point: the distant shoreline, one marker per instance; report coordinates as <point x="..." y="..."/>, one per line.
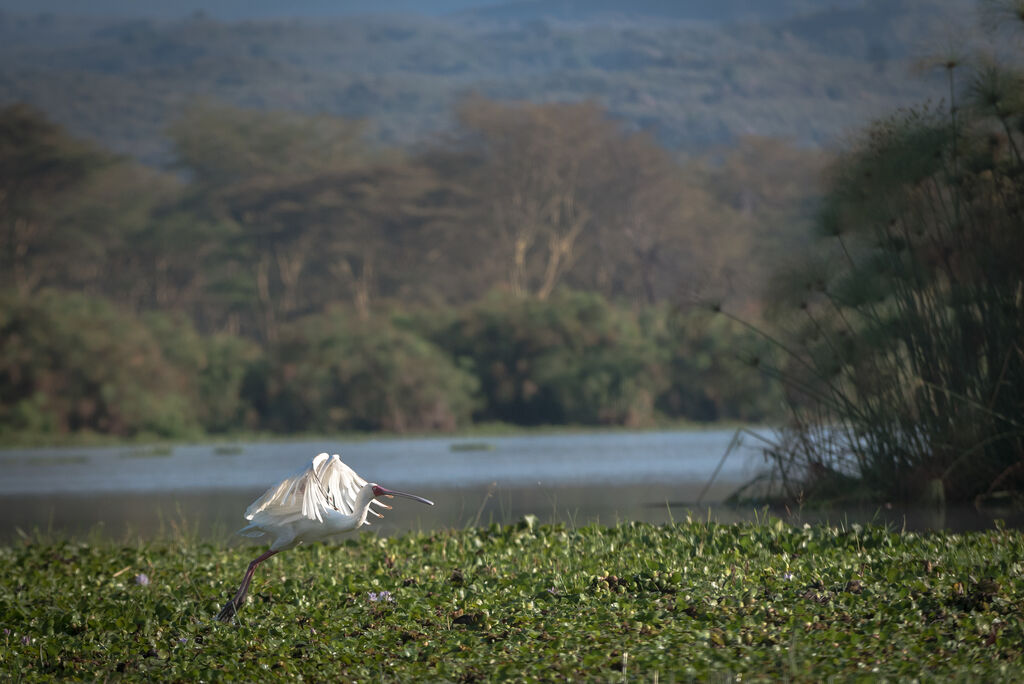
<point x="473" y="431"/>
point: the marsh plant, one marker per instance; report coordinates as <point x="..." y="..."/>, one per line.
<point x="905" y="322"/>
<point x="532" y="602"/>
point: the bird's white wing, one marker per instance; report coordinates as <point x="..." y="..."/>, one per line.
<point x="341" y="484"/>
<point x="326" y="484"/>
<point x="298" y="496"/>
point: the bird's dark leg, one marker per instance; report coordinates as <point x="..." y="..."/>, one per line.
<point x="231" y="607"/>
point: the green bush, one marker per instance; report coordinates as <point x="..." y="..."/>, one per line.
<point x="714" y="370"/>
<point x="71" y="363"/>
<point x="333" y="372"/>
<point x="573" y="358"/>
<point x="215" y="369"/>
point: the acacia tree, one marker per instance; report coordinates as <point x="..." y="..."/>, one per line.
<point x="364" y="223"/>
<point x="560" y="193"/>
<point x="539" y="172"/>
<point x="74" y="216"/>
<point x="653" y="223"/>
<point x="763" y="194"/>
<point x="248" y="169"/>
<point x="41" y="168"/>
<point x="124" y="247"/>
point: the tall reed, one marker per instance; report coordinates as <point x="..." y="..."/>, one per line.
<point x="905" y="324"/>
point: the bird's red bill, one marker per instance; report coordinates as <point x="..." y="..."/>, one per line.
<point x="381" y="491"/>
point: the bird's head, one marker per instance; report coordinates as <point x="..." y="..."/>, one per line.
<point x="390" y="493"/>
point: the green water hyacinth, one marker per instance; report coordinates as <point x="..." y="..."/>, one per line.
<point x="759" y="601"/>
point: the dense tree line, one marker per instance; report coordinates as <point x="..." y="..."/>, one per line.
<point x="288" y="275"/>
<point x="74" y="363"/>
<point x="269" y="216"/>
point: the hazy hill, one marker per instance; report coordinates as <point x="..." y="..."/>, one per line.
<point x="802" y="70"/>
<point x="573" y="10"/>
<point x="234" y="10"/>
<point x="679" y="10"/>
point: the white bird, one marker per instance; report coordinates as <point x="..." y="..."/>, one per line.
<point x="318" y="502"/>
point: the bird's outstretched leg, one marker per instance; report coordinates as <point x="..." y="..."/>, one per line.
<point x="231" y="607"/>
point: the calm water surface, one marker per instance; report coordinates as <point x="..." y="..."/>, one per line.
<point x="203" y="489"/>
<point x="553" y="460"/>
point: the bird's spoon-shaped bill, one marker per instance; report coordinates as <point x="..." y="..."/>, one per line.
<point x="381" y="491"/>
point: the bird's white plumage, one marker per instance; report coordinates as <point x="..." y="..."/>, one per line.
<point x="326" y="484"/>
<point x="322" y="500"/>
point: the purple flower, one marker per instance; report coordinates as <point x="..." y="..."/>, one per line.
<point x="142" y="578"/>
<point x="382" y="596"/>
<point x="183" y="640"/>
<point x="26" y="640"/>
<point x="7" y="632"/>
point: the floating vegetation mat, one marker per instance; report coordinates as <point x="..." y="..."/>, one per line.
<point x="63" y="459"/>
<point x="759" y="601"/>
<point x="148" y="452"/>
<point x="472" y="446"/>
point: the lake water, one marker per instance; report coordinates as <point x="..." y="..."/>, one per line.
<point x="130" y="492"/>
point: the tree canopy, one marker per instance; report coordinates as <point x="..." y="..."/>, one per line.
<point x="283" y="243"/>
